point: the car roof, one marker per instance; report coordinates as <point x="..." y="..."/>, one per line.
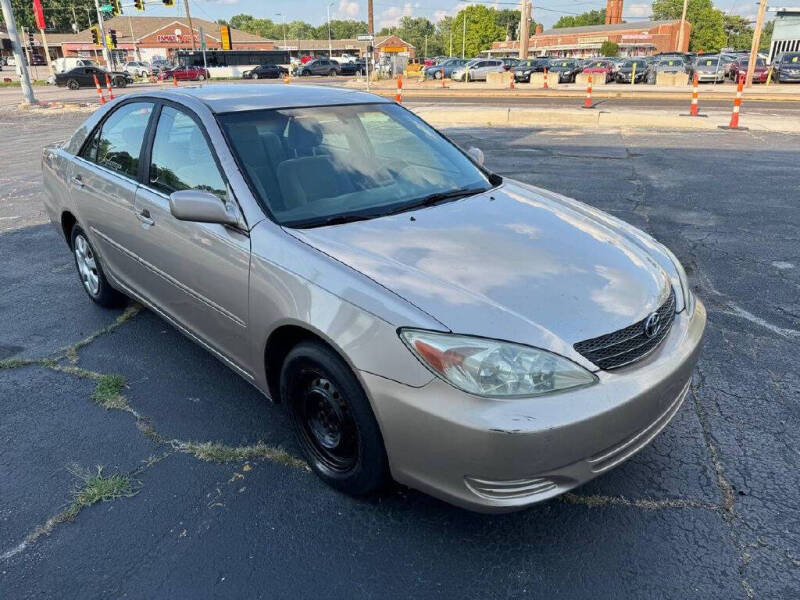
<point x="235" y="98"/>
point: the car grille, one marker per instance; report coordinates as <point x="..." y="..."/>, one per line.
<point x="622" y="347"/>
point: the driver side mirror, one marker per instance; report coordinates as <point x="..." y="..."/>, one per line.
<point x="202" y="207"/>
<point x="476" y="154"/>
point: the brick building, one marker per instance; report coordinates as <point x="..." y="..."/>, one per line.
<point x="638" y="38"/>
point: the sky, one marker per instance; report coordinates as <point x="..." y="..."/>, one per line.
<point x="388" y="12"/>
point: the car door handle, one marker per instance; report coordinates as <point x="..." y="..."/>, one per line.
<point x="144" y="216"/>
<point x="77" y="181"/>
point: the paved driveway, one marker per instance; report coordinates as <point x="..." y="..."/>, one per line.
<point x="709" y="510"/>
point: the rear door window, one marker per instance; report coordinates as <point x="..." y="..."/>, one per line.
<point x="117" y="144"/>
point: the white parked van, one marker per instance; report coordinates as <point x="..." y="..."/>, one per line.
<point x="62" y="65"/>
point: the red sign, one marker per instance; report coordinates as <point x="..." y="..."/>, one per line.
<point x="38" y="13"/>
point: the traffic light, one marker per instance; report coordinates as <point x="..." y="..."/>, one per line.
<point x="112" y="35"/>
<point x="95" y="35"/>
<point x="168" y="2"/>
<point x="30" y="39"/>
<point x="139" y="4"/>
<point x="116" y="8"/>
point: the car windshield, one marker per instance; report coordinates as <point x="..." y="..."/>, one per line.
<point x="743" y="62"/>
<point x="707" y="62"/>
<point x="791" y="59"/>
<point x="331" y="164"/>
<point x="628" y="64"/>
<point x="562" y="63"/>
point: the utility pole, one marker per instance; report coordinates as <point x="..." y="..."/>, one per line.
<point x="426" y="46"/>
<point x="104" y="43"/>
<point x="24" y="78"/>
<point x="370" y="22"/>
<point x="75" y="28"/>
<point x="464" y="37"/>
<point x="189" y="18"/>
<point x="330" y="46"/>
<point x="451" y="40"/>
<point x="133" y="40"/>
<point x="751" y="65"/>
<point x="524" y="29"/>
<point x="679" y="48"/>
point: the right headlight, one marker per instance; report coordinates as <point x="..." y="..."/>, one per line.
<point x="494" y="368"/>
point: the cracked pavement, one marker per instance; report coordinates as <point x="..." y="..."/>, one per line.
<point x="708" y="510"/>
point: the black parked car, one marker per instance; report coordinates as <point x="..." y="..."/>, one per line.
<point x="786" y="67"/>
<point x="566" y="68"/>
<point x="357" y="67"/>
<point x="623" y="74"/>
<point x="319" y="66"/>
<point x="84" y="77"/>
<point x="524" y="68"/>
<point x="265" y="72"/>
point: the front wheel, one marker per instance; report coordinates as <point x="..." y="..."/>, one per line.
<point x="73" y="85"/>
<point x="120" y="82"/>
<point x="91" y="273"/>
<point x="254" y="76"/>
<point x="332" y="73"/>
<point x="201" y="77"/>
<point x="437" y="74"/>
<point x="333" y="420"/>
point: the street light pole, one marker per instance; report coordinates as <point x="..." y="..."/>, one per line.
<point x="189" y="18"/>
<point x="24" y="78"/>
<point x="464" y="37"/>
<point x="103" y="42"/>
<point x="283" y="18"/>
<point x="683" y="26"/>
<point x="330" y="46"/>
<point x="524" y="30"/>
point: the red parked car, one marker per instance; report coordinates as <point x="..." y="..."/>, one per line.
<point x="597" y="67"/>
<point x="739" y="68"/>
<point x="184" y="73"/>
<point x="306" y="59"/>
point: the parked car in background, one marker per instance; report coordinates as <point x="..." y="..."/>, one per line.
<point x="478" y="68"/>
<point x="265" y="72"/>
<point x="667" y="65"/>
<point x="137" y="68"/>
<point x="709" y="68"/>
<point x="319" y="66"/>
<point x="786" y="67"/>
<point x="159" y="66"/>
<point x="526" y="66"/>
<point x="84" y="77"/>
<point x="184" y="74"/>
<point x="738" y="69"/>
<point x="356" y="67"/>
<point x="600" y="68"/>
<point x="635" y="68"/>
<point x="510" y="62"/>
<point x="446" y="66"/>
<point x="566" y="68"/>
<point x="62" y="65"/>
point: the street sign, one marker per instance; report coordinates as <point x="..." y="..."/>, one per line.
<point x="225" y="37"/>
<point x="365" y="38"/>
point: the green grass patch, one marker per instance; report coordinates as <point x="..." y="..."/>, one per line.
<point x="217" y="452"/>
<point x="108" y="392"/>
<point x="97" y="488"/>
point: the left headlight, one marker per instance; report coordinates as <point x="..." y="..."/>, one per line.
<point x="494" y="368"/>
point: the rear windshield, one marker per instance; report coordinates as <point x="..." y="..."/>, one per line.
<point x="707" y="62"/>
<point x="791" y="58"/>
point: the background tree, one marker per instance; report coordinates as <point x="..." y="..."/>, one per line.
<point x="738" y="32"/>
<point x="340" y="29"/>
<point x="300" y="30"/>
<point x="444" y="29"/>
<point x="482" y="30"/>
<point x="509" y="20"/>
<point x="57" y="14"/>
<point x="609" y="49"/>
<point x="708" y="32"/>
<point x="593" y="17"/>
<point x="414" y="31"/>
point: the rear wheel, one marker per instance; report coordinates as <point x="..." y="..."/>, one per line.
<point x="73" y="85"/>
<point x="120" y="82"/>
<point x="437" y="74"/>
<point x="201" y="77"/>
<point x="332" y="73"/>
<point x="91" y="273"/>
<point x="253" y="75"/>
<point x="333" y="420"/>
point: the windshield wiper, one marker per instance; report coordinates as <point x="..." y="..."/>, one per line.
<point x="432" y="199"/>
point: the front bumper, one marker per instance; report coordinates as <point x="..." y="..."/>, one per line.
<point x="503" y="455"/>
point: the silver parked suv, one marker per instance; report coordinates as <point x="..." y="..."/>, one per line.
<point x="491" y="343"/>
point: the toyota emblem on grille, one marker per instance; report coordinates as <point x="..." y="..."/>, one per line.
<point x="652" y="325"/>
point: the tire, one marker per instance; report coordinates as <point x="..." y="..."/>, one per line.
<point x="73" y="85"/>
<point x="90" y="272"/>
<point x="120" y="82"/>
<point x="332" y="73"/>
<point x="254" y="76"/>
<point x="306" y="74"/>
<point x="201" y="77"/>
<point x="437" y="74"/>
<point x="333" y="419"/>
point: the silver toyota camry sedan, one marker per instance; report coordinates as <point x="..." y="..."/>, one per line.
<point x="421" y="318"/>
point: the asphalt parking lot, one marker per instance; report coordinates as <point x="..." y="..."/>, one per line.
<point x="708" y="510"/>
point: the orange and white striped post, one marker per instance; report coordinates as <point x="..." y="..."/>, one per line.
<point x="174" y="80"/>
<point x="693" y="108"/>
<point x="398" y="97"/>
<point x="544" y="87"/>
<point x="99" y="91"/>
<point x="737" y="103"/>
<point x="588" y="102"/>
<point x="108" y="87"/>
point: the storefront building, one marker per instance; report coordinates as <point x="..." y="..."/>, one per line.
<point x="786" y="32"/>
<point x="634" y="39"/>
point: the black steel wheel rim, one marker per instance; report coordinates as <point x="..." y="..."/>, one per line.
<point x="323" y="420"/>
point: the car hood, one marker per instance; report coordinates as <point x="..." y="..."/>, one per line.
<point x="514" y="263"/>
